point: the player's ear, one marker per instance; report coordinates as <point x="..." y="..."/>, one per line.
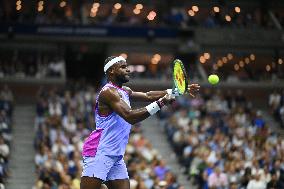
<point x="111" y="71"/>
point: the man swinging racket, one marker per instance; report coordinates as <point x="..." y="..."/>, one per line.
<point x="104" y="149"/>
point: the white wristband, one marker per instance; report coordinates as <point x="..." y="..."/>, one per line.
<point x="170" y="91"/>
<point x="153" y="108"/>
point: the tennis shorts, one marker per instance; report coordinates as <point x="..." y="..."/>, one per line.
<point x="105" y="167"/>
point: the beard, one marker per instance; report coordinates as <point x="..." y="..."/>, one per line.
<point x="123" y="79"/>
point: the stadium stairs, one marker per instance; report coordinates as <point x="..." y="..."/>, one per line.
<point x="22" y="167"/>
<point x="157" y="137"/>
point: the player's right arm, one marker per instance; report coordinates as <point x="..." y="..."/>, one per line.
<point x="112" y="99"/>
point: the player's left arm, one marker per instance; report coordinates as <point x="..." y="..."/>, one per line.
<point x="155" y="95"/>
<point x="145" y="96"/>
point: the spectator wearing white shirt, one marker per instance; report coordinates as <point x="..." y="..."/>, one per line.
<point x="256" y="182"/>
<point x="4" y="148"/>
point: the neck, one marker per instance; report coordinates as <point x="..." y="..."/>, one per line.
<point x="119" y="84"/>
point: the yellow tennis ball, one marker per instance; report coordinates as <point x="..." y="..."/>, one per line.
<point x="213" y="79"/>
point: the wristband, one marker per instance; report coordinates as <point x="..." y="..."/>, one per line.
<point x="160" y="103"/>
<point x="170" y="91"/>
<point x="153" y="108"/>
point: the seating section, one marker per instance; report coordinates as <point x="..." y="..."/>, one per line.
<point x="276" y="104"/>
<point x="64" y="120"/>
<point x="6" y="122"/>
<point x="223" y="141"/>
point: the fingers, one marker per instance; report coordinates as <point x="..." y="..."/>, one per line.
<point x="191" y="95"/>
<point x="194" y="86"/>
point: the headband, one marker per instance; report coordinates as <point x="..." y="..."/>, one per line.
<point x="112" y="62"/>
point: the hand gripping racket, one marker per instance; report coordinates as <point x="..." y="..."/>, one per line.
<point x="179" y="77"/>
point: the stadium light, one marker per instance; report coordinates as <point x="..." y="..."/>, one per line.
<point x="139" y="6"/>
<point x="136" y="11"/>
<point x="230" y="56"/>
<point x="241" y="62"/>
<point x="40" y="6"/>
<point x="252" y="57"/>
<point x="202" y="59"/>
<point x="237" y="9"/>
<point x="154" y="61"/>
<point x="18" y="7"/>
<point x="151" y="15"/>
<point x="216" y="9"/>
<point x="206" y="56"/>
<point x="191" y="12"/>
<point x="247" y="60"/>
<point x="62" y="4"/>
<point x="94" y="10"/>
<point x="157" y="57"/>
<point x="18" y="2"/>
<point x="195" y="8"/>
<point x="225" y="60"/>
<point x="117" y="6"/>
<point x="228" y="18"/>
<point x="96" y="5"/>
<point x="236" y="67"/>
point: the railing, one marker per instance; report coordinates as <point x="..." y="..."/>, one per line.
<point x="205" y="36"/>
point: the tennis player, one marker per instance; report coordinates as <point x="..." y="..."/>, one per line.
<point x="104" y="149"/>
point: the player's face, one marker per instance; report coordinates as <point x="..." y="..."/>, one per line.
<point x="122" y="72"/>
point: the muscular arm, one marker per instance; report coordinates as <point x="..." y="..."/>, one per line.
<point x="111" y="98"/>
<point x="148" y="96"/>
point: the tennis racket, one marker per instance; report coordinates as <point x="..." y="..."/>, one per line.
<point x="179" y="77"/>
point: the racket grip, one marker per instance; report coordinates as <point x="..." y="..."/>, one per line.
<point x="173" y="92"/>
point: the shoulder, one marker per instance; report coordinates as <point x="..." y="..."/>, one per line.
<point x="127" y="89"/>
<point x="109" y="93"/>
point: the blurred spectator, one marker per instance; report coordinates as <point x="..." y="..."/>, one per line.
<point x="256" y="182"/>
<point x="217" y="179"/>
<point x="276" y="104"/>
<point x="224" y="143"/>
<point x="6" y="118"/>
<point x="27" y="65"/>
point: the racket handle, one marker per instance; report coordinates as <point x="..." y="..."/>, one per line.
<point x="173" y="92"/>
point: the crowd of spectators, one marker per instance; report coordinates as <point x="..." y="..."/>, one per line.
<point x="6" y="119"/>
<point x="223" y="142"/>
<point x="276" y="104"/>
<point x="64" y="119"/>
<point x="81" y="12"/>
<point x="31" y="65"/>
